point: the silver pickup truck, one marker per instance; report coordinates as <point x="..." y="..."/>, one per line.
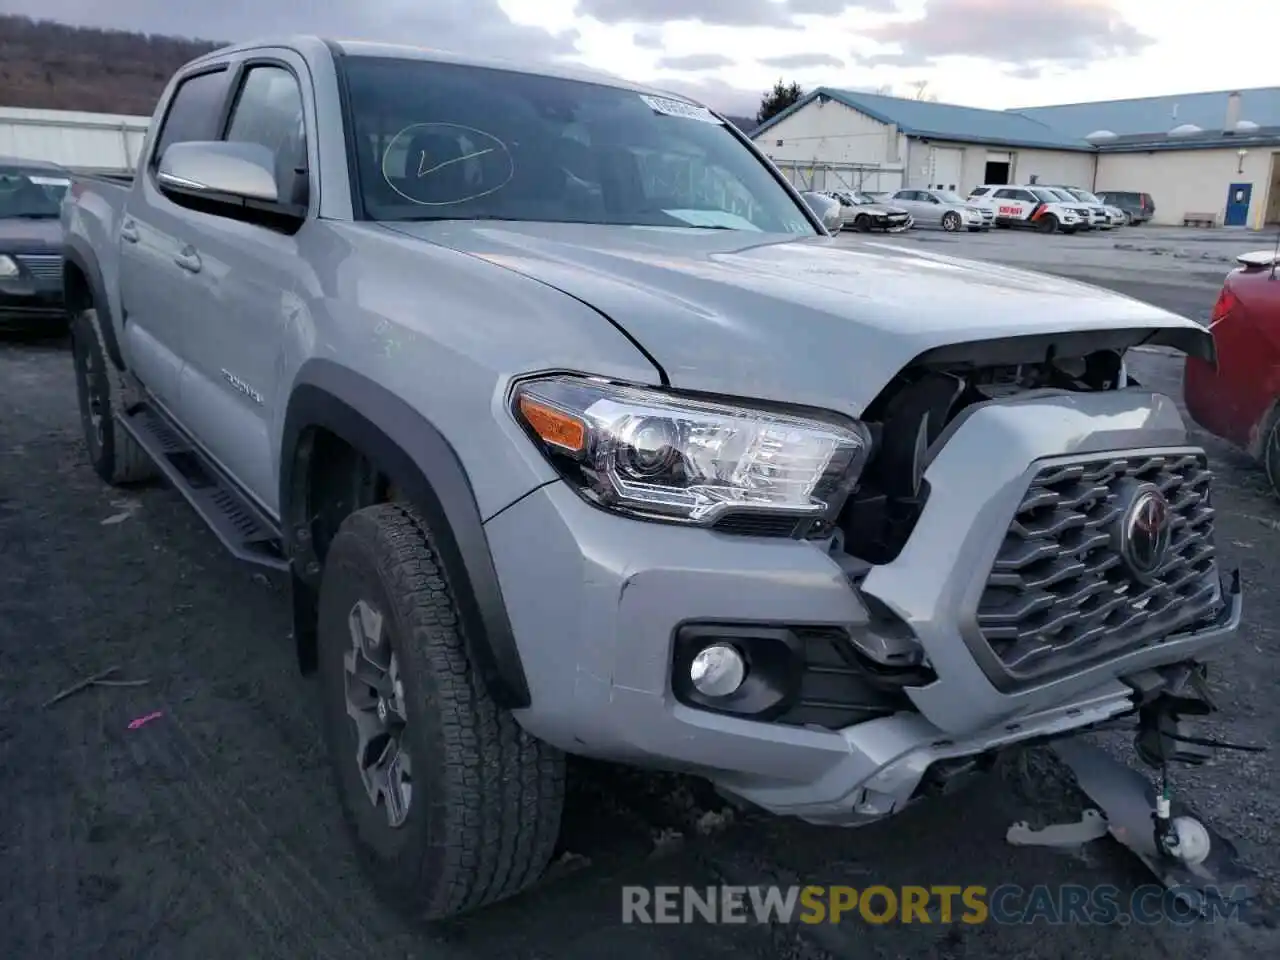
<point x="575" y="432"/>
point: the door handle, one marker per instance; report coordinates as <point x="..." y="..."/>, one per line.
<point x="129" y="232"/>
<point x="188" y="260"/>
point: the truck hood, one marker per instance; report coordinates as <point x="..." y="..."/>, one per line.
<point x="808" y="321"/>
<point x="27" y="235"/>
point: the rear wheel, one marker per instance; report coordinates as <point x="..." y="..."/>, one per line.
<point x="113" y="453"/>
<point x="951" y="222"/>
<point x="452" y="804"/>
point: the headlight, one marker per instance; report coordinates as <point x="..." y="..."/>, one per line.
<point x="656" y="455"/>
<point x="8" y="268"/>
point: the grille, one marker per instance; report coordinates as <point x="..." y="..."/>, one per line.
<point x="42" y="266"/>
<point x="1060" y="593"/>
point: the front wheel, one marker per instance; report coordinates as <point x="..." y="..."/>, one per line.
<point x="1048" y="224"/>
<point x="862" y="223"/>
<point x="951" y="222"/>
<point x="452" y="804"/>
<point x="1271" y="452"/>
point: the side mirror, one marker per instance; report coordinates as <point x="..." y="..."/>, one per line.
<point x="220" y="171"/>
<point x="826" y="209"/>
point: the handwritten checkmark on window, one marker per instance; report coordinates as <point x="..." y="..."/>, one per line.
<point x="424" y="170"/>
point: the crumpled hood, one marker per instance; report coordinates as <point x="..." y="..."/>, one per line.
<point x="880" y="209"/>
<point x="28" y="235"/>
<point x="809" y="321"/>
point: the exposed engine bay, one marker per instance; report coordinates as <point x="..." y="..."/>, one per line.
<point x="912" y="413"/>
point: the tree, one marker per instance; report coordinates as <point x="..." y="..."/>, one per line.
<point x="778" y="99"/>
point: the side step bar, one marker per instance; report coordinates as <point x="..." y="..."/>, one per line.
<point x="243" y="529"/>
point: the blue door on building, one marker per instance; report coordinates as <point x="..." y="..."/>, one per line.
<point x="1238" y="205"/>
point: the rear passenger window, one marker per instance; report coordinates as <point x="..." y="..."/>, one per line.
<point x="193" y="112"/>
<point x="269" y="112"/>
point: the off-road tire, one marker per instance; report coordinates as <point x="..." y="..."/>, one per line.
<point x="484" y="822"/>
<point x="951" y="222"/>
<point x="116" y="457"/>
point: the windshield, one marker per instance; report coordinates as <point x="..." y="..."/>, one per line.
<point x="861" y="199"/>
<point x="438" y="141"/>
<point x="1086" y="196"/>
<point x="946" y="196"/>
<point x="33" y="194"/>
<point x="1049" y="196"/>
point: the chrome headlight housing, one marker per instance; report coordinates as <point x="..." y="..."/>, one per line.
<point x="657" y="455"/>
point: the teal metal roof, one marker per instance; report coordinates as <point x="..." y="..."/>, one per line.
<point x="943" y="121"/>
<point x="1158" y="114"/>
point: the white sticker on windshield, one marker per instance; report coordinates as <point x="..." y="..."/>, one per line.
<point x="678" y="108"/>
<point x="50" y="181"/>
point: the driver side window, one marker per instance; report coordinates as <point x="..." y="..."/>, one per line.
<point x="269" y="112"/>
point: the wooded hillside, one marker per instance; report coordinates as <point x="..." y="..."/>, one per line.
<point x="51" y="66"/>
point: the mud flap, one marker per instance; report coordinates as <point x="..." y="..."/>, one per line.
<point x="1219" y="886"/>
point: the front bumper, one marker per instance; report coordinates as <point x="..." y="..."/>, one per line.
<point x="596" y="601"/>
<point x="31" y="302"/>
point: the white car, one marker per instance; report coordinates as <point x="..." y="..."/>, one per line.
<point x="1098" y="217"/>
<point x="1115" y="216"/>
<point x="1032" y="206"/>
<point x="942" y="208"/>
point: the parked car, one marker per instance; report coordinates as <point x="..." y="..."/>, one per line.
<point x="827" y="208"/>
<point x="1138" y="207"/>
<point x="942" y="208"/>
<point x="554" y="469"/>
<point x="1238" y="397"/>
<point x="31" y="246"/>
<point x="1032" y="207"/>
<point x="864" y="214"/>
<point x="1097" y="217"/>
<point x="1115" y="216"/>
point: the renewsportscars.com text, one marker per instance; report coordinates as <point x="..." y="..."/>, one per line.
<point x="1005" y="904"/>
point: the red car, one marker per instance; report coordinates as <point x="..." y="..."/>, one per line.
<point x="1239" y="400"/>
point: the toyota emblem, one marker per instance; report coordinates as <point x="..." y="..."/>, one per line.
<point x="1146" y="530"/>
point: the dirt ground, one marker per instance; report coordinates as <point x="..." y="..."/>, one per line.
<point x="211" y="831"/>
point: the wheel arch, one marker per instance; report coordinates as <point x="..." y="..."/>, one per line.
<point x="83" y="288"/>
<point x="419" y="463"/>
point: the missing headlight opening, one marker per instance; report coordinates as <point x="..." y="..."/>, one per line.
<point x="911" y="414"/>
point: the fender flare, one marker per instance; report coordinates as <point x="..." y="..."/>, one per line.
<point x="76" y="251"/>
<point x="424" y="467"/>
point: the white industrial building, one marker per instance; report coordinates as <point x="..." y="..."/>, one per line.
<point x="88" y="142"/>
<point x="1207" y="153"/>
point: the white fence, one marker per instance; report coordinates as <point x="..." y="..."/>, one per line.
<point x="100" y="142"/>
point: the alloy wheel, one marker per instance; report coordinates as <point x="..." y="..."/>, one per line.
<point x="376" y="706"/>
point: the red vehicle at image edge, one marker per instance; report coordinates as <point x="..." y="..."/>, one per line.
<point x="1239" y="398"/>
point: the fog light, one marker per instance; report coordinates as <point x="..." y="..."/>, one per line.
<point x="717" y="670"/>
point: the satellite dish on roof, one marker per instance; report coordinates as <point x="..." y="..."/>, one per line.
<point x="1185" y="130"/>
<point x="1246" y="126"/>
<point x="1099" y="135"/>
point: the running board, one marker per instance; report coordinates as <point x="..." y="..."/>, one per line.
<point x="243" y="529"/>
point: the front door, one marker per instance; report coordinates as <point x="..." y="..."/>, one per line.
<point x="1238" y="205"/>
<point x="250" y="287"/>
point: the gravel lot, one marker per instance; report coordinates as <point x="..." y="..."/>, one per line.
<point x="211" y="831"/>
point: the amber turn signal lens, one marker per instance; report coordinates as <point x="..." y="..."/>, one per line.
<point x="554" y="426"/>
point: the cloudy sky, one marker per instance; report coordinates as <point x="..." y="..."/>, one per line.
<point x="988" y="53"/>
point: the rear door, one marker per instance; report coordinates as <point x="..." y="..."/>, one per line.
<point x="154" y="295"/>
<point x="1013" y="205"/>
